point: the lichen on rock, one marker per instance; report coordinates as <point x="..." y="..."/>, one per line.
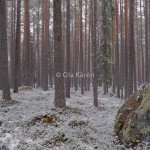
<point x="133" y="118"/>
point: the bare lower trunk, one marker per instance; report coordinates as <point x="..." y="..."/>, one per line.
<point x="4" y="51"/>
<point x="17" y="49"/>
<point x="68" y="81"/>
<point x="94" y="48"/>
<point x="58" y="60"/>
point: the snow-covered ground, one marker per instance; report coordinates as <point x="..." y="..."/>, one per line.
<point x="18" y="132"/>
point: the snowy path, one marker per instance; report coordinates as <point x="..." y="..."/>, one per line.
<point x="96" y="133"/>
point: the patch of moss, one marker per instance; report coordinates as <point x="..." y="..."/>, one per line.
<point x="119" y="123"/>
<point x="76" y="123"/>
<point x="117" y="127"/>
<point x="46" y="119"/>
<point x="57" y="140"/>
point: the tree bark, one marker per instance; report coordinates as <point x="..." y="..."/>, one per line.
<point x="4" y="50"/>
<point x="58" y="53"/>
<point x="68" y="81"/>
<point x="146" y="43"/>
<point x="17" y="49"/>
<point x="27" y="50"/>
<point x="94" y="50"/>
<point x="81" y="49"/>
<point x="131" y="48"/>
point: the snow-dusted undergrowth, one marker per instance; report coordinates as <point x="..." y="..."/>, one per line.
<point x="96" y="133"/>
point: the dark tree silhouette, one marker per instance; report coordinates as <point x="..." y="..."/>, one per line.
<point x="4" y="51"/>
<point x="58" y="60"/>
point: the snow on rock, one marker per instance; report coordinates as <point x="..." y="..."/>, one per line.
<point x="94" y="127"/>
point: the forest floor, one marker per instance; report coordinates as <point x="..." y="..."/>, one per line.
<point x="33" y="123"/>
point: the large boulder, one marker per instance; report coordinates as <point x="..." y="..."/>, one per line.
<point x="132" y="124"/>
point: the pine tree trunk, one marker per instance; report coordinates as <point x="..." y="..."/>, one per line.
<point x="126" y="51"/>
<point x="122" y="50"/>
<point x="12" y="42"/>
<point x="85" y="48"/>
<point x="38" y="47"/>
<point x="89" y="44"/>
<point x="4" y="51"/>
<point x="117" y="65"/>
<point x="17" y="48"/>
<point x="68" y="81"/>
<point x="58" y="53"/>
<point x="131" y="48"/>
<point x="75" y="49"/>
<point x="141" y="43"/>
<point x="146" y="44"/>
<point x="45" y="44"/>
<point x="27" y="50"/>
<point x="81" y="48"/>
<point x="94" y="48"/>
